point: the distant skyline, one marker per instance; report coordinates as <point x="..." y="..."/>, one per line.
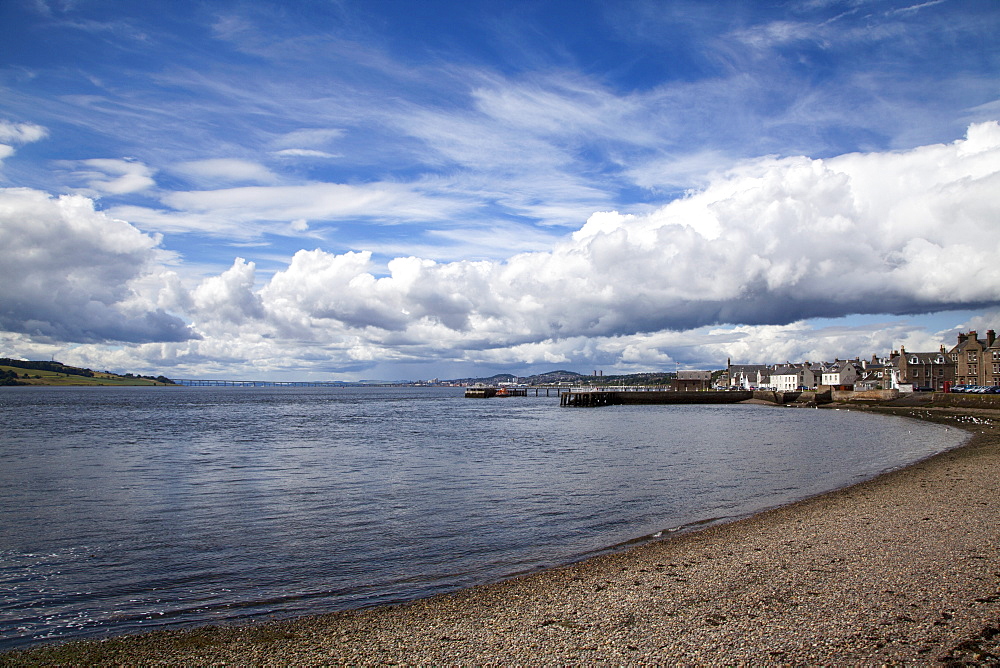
<point x="344" y="190"/>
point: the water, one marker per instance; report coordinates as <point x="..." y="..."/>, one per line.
<point x="129" y="509"/>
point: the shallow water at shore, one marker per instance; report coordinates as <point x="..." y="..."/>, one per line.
<point x="131" y="509"/>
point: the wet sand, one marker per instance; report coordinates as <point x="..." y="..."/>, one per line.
<point x="901" y="569"/>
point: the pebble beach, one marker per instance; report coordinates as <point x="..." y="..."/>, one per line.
<point x="901" y="569"/>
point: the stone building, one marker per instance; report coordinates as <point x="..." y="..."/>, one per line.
<point x="693" y="381"/>
<point x="977" y="361"/>
<point x="925" y="370"/>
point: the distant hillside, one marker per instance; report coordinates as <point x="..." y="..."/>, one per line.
<point x="29" y="372"/>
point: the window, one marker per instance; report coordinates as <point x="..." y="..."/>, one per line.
<point x="972" y="356"/>
<point x="914" y="360"/>
<point x="954" y="357"/>
<point x="996" y="354"/>
<point x="972" y="370"/>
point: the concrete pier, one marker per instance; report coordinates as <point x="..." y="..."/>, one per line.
<point x="595" y="398"/>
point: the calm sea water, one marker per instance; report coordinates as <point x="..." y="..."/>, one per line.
<point x="129" y="509"/>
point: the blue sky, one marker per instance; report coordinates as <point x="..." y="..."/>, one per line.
<point x="416" y="189"/>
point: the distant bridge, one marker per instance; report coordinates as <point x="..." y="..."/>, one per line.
<point x="273" y="383"/>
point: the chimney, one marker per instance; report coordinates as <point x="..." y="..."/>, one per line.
<point x="962" y="338"/>
<point x="991" y="336"/>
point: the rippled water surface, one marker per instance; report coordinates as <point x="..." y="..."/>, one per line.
<point x="125" y="509"/>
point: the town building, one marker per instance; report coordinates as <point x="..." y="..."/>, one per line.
<point x="693" y="381"/>
<point x="924" y="370"/>
<point x="748" y="376"/>
<point x="792" y="377"/>
<point x="977" y="361"/>
<point x="973" y="361"/>
<point x="841" y="373"/>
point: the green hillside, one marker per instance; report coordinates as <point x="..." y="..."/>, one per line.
<point x="22" y="372"/>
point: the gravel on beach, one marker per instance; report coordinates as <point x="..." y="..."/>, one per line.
<point x="902" y="569"/>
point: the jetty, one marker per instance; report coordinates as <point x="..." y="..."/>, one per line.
<point x="594" y="398"/>
<point x="489" y="391"/>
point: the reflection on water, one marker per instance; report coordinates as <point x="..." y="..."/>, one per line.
<point x="124" y="509"/>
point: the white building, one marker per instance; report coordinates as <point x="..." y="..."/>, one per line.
<point x="840" y="373"/>
<point x="793" y="377"/>
<point x="749" y="376"/>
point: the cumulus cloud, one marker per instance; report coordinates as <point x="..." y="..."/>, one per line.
<point x="229" y="296"/>
<point x="772" y="242"/>
<point x="68" y="273"/>
<point x="731" y="270"/>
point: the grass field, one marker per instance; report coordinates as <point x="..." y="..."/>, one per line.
<point x="41" y="377"/>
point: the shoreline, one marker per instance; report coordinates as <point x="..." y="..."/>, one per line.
<point x="899" y="568"/>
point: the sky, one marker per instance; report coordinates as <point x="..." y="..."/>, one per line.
<point x="366" y="189"/>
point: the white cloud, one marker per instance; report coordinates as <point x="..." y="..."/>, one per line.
<point x="18" y="133"/>
<point x="21" y="133"/>
<point x="733" y="270"/>
<point x="113" y="176"/>
<point x="226" y="171"/>
<point x="69" y="272"/>
<point x="304" y="153"/>
<point x="308" y="143"/>
<point x="229" y="296"/>
<point x="308" y="138"/>
<point x="181" y="222"/>
<point x="316" y="201"/>
<point x="776" y="33"/>
<point x="771" y="243"/>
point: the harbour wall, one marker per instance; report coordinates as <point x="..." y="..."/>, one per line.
<point x="595" y="398"/>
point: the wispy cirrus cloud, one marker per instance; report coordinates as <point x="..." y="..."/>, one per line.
<point x="316" y="201"/>
<point x="225" y="171"/>
<point x="112" y="176"/>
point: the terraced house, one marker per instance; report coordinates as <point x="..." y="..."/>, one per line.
<point x="977" y="361"/>
<point x="973" y="361"/>
<point x="924" y="370"/>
